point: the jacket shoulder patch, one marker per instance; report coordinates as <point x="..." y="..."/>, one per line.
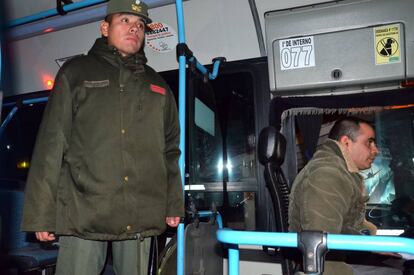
<point x="96" y="84"/>
<point x="158" y="89"/>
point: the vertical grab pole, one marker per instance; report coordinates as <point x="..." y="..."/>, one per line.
<point x="181" y="113"/>
<point x="234" y="260"/>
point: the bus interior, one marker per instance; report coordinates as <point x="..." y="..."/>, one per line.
<point x="307" y="64"/>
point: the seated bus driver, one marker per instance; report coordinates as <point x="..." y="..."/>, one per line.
<point x="105" y="164"/>
<point x="328" y="193"/>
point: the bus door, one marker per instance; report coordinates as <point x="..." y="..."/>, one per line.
<point x="226" y="115"/>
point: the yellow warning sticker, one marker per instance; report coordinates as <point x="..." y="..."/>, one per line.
<point x="387" y="44"/>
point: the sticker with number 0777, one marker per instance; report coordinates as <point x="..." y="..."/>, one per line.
<point x="297" y="53"/>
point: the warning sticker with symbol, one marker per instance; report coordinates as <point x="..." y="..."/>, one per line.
<point x="387" y="44"/>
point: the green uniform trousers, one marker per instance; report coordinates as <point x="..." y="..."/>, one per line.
<point x="85" y="257"/>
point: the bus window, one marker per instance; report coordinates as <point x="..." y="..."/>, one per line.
<point x="235" y="95"/>
<point x="392" y="174"/>
<point x="207" y="157"/>
<point x="17" y="142"/>
<point x="222" y="148"/>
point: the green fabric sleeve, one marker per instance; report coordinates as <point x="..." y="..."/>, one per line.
<point x="39" y="213"/>
<point x="175" y="196"/>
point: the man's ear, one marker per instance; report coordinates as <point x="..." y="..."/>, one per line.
<point x="104" y="28"/>
<point x="344" y="140"/>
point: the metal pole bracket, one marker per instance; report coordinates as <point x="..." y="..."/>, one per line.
<point x="313" y="245"/>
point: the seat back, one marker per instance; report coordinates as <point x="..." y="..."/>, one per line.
<point x="17" y="247"/>
<point x="271" y="153"/>
<point x="11" y="208"/>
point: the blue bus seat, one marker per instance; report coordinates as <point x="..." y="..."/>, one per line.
<point x="19" y="250"/>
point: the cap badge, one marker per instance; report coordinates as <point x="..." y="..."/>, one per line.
<point x="136" y="8"/>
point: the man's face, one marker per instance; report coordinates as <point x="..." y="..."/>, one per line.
<point x="363" y="150"/>
<point x="126" y="32"/>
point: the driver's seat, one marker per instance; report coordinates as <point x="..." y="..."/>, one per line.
<point x="271" y="153"/>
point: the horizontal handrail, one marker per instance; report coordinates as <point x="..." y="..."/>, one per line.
<point x="211" y="75"/>
<point x="370" y="243"/>
<point x="78" y="13"/>
<point x="257" y="238"/>
<point x="334" y="241"/>
<point x="204" y="214"/>
<point x="16" y="108"/>
<point x="52" y="12"/>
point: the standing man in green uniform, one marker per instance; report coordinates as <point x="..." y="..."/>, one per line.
<point x="105" y="164"/>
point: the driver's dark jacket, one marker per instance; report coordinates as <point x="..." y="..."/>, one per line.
<point x="327" y="195"/>
<point x="105" y="164"/>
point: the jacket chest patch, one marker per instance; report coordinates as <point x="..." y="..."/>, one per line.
<point x="96" y="84"/>
<point x="157" y="89"/>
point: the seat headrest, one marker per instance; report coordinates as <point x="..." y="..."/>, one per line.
<point x="272" y="146"/>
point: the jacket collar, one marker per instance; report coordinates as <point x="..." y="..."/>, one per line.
<point x="133" y="62"/>
<point x="350" y="164"/>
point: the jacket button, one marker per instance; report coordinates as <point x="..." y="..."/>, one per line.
<point x="126" y="178"/>
<point x="128" y="227"/>
<point x="123" y="131"/>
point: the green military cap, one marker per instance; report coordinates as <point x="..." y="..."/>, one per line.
<point x="129" y="6"/>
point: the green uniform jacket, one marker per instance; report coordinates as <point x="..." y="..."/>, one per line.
<point x="105" y="164"/>
<point x="327" y="196"/>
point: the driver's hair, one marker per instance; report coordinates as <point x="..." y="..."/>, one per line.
<point x="347" y="126"/>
